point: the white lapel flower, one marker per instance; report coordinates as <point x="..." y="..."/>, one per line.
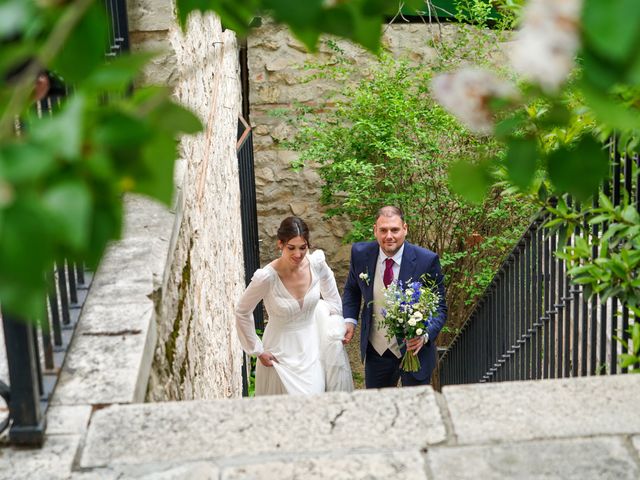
<point x="364" y="276"/>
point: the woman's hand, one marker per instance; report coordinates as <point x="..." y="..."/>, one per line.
<point x="267" y="359"/>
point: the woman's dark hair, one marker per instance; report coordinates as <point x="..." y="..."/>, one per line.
<point x="292" y="227"/>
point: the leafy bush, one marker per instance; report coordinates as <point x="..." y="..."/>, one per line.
<point x="387" y="142"/>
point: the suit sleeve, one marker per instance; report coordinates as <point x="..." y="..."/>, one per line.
<point x="438" y="320"/>
<point x="352" y="297"/>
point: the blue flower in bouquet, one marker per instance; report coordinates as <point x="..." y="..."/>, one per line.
<point x="407" y="309"/>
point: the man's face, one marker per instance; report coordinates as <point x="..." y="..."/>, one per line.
<point x="390" y="233"/>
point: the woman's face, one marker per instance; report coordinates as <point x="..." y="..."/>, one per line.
<point x="294" y="250"/>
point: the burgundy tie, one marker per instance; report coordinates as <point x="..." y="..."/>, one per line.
<point x="387" y="278"/>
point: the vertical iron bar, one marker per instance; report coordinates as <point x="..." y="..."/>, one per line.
<point x="539" y="303"/>
<point x="47" y="347"/>
<point x="53" y="309"/>
<point x="529" y="318"/>
<point x="80" y="273"/>
<point x="28" y="423"/>
<point x="73" y="289"/>
<point x="64" y="295"/>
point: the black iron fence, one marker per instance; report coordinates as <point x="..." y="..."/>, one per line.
<point x="35" y="352"/>
<point x="249" y="216"/>
<point x="532" y="322"/>
<point x="35" y="348"/>
<point x="250" y="240"/>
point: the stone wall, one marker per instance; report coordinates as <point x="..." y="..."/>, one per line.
<point x="150" y="23"/>
<point x="198" y="353"/>
<point x="277" y="81"/>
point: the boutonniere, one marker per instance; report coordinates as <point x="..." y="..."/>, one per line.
<point x="364" y="276"/>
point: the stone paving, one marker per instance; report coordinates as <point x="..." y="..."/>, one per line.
<point x="580" y="428"/>
<point x="584" y="428"/>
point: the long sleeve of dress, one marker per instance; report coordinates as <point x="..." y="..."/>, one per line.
<point x="328" y="286"/>
<point x="256" y="291"/>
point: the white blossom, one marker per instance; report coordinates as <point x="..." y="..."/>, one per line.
<point x="466" y="94"/>
<point x="545" y="46"/>
<point x="418" y="315"/>
<point x="419" y="331"/>
<point x="412" y="322"/>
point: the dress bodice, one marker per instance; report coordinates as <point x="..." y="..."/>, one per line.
<point x="285" y="311"/>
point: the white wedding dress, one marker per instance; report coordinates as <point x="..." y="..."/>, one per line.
<point x="304" y="335"/>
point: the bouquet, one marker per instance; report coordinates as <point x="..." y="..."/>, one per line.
<point x="406" y="313"/>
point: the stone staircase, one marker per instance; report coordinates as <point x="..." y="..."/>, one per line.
<point x="98" y="428"/>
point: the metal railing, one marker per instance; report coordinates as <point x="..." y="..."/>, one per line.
<point x="35" y="353"/>
<point x="35" y="348"/>
<point x="249" y="218"/>
<point x="532" y="322"/>
<point x="249" y="213"/>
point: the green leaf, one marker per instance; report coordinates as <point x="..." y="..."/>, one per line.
<point x="62" y="134"/>
<point x="579" y="171"/>
<point x="635" y="334"/>
<point x="509" y="125"/>
<point x="368" y="32"/>
<point x="338" y="21"/>
<point x="600" y="219"/>
<point x="630" y="214"/>
<point x="25" y="241"/>
<point x="119" y="130"/>
<point x="627" y="360"/>
<point x="85" y="48"/>
<point x="119" y="73"/>
<point x="158" y="157"/>
<point x="610" y="110"/>
<point x="612" y="27"/>
<point x="174" y="119"/>
<point x="521" y="161"/>
<point x="69" y="205"/>
<point x="470" y="180"/>
<point x="25" y="162"/>
<point x="106" y="224"/>
<point x="605" y="202"/>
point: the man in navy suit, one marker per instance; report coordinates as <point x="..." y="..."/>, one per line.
<point x="373" y="266"/>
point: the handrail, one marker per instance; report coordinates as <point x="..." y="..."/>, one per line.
<point x="531" y="322"/>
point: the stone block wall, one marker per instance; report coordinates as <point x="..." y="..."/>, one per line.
<point x="198" y="353"/>
<point x="278" y="82"/>
<point x="150" y="23"/>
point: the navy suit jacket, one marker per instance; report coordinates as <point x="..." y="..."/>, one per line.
<point x="416" y="262"/>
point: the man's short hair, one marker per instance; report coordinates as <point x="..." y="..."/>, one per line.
<point x="390" y="211"/>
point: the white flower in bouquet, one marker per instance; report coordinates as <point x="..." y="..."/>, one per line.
<point x="406" y="312"/>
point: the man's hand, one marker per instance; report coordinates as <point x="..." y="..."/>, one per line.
<point x="267" y="359"/>
<point x="348" y="335"/>
<point x="415" y="344"/>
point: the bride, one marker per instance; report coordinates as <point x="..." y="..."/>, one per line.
<point x="301" y="351"/>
